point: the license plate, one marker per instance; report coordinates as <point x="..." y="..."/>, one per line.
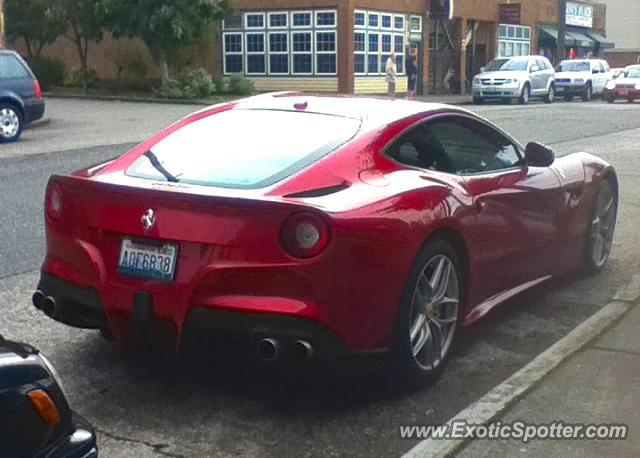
<point x="156" y="261"/>
<point x="624" y="93"/>
<point x="490" y="90"/>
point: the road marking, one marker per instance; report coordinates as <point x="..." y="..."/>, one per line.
<point x="504" y="395"/>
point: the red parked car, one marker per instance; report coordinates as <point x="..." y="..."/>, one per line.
<point x="305" y="227"/>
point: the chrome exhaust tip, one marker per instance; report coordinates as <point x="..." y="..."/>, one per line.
<point x="48" y="306"/>
<point x="37" y="298"/>
<point x="268" y="349"/>
<point x="302" y="350"/>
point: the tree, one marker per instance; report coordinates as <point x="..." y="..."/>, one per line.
<point x="34" y="21"/>
<point x="164" y="26"/>
<point x="84" y="22"/>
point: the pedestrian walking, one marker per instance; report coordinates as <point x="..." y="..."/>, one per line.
<point x="391" y="70"/>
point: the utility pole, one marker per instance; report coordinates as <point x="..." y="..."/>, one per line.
<point x="562" y="30"/>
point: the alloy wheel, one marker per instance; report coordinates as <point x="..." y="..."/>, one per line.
<point x="434" y="312"/>
<point x="602" y="226"/>
<point x="9" y="123"/>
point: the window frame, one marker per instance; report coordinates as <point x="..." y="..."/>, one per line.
<point x="404" y="22"/>
<point x="232" y="53"/>
<point x="316" y="14"/>
<point x="300" y="27"/>
<point x="277" y="27"/>
<point x="246" y="21"/>
<point x="410" y="28"/>
<point x="303" y="53"/>
<point x="248" y="53"/>
<point x="390" y="15"/>
<point x="317" y="53"/>
<point x="434" y="118"/>
<point x="270" y="53"/>
<point x="366" y="17"/>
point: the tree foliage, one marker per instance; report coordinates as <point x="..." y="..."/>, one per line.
<point x="164" y="25"/>
<point x="35" y="21"/>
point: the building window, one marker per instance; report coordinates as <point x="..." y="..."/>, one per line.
<point x="514" y="40"/>
<point x="278" y="53"/>
<point x="301" y="19"/>
<point x="326" y="53"/>
<point x="360" y="19"/>
<point x="374" y="20"/>
<point x="373" y="46"/>
<point x="255" y="54"/>
<point x="282" y="43"/>
<point x="415" y="24"/>
<point x="325" y="18"/>
<point x="278" y="20"/>
<point x="254" y="21"/>
<point x="232" y="53"/>
<point x="232" y="22"/>
<point x="398" y="22"/>
<point x="385" y="20"/>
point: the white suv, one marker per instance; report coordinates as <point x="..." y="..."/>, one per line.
<point x="515" y="78"/>
<point x="582" y="77"/>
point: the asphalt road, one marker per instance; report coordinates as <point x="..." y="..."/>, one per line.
<point x="158" y="409"/>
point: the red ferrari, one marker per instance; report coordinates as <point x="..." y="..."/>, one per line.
<point x="310" y="228"/>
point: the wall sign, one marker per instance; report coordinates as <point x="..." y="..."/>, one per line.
<point x="510" y="13"/>
<point x="579" y="14"/>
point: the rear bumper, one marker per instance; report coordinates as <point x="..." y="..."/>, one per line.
<point x="34" y="109"/>
<point x="223" y="332"/>
<point x="622" y="94"/>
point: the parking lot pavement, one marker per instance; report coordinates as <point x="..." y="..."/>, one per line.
<point x="161" y="410"/>
<point x="77" y="123"/>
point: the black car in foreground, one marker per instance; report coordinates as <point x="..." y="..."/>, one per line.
<point x="35" y="418"/>
<point x="21" y="99"/>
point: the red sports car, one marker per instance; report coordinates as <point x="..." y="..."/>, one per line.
<point x="306" y="227"/>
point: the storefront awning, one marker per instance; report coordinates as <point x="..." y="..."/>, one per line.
<point x="602" y="41"/>
<point x="582" y="41"/>
<point x="548" y="37"/>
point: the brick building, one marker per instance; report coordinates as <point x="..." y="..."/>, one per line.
<point x="342" y="45"/>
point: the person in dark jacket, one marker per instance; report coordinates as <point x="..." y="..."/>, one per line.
<point x="412" y="72"/>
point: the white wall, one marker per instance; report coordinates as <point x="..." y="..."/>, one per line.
<point x="623" y="23"/>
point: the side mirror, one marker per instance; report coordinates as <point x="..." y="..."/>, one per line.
<point x="538" y="155"/>
<point x="535" y="68"/>
<point x="595" y="71"/>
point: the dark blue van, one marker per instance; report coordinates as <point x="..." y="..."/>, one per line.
<point x="21" y="99"/>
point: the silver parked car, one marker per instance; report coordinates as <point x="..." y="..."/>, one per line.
<point x="582" y="77"/>
<point x="515" y="78"/>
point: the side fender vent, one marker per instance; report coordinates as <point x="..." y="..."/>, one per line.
<point x="318" y="192"/>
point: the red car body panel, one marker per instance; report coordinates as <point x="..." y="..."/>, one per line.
<point x="515" y="227"/>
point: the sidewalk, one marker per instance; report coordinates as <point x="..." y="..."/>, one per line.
<point x="600" y="384"/>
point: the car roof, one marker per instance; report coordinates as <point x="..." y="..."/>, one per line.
<point x="629" y="67"/>
<point x="374" y="112"/>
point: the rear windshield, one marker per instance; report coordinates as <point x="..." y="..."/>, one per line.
<point x="573" y="67"/>
<point x="245" y="148"/>
<point x="10" y="67"/>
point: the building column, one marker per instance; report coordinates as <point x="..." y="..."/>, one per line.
<point x="464" y="26"/>
<point x="346" y="47"/>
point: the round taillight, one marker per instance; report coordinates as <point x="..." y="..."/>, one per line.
<point x="54" y="202"/>
<point x="304" y="235"/>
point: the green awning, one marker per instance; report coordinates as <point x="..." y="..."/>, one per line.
<point x="602" y="41"/>
<point x="582" y="41"/>
<point x="548" y="37"/>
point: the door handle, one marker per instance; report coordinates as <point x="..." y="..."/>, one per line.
<point x="479" y="206"/>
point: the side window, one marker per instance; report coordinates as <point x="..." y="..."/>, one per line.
<point x="10" y="67"/>
<point x="540" y="63"/>
<point x="465" y="146"/>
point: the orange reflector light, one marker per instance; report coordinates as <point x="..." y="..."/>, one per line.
<point x="44" y="406"/>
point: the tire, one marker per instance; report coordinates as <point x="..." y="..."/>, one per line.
<point x="478" y="101"/>
<point x="526" y="94"/>
<point x="551" y="95"/>
<point x="610" y="99"/>
<point x="587" y="94"/>
<point x="568" y="97"/>
<point x="421" y="331"/>
<point x="601" y="227"/>
<point x="11" y="123"/>
<point x="630" y="100"/>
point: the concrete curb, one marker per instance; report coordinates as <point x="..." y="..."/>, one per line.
<point x="497" y="401"/>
